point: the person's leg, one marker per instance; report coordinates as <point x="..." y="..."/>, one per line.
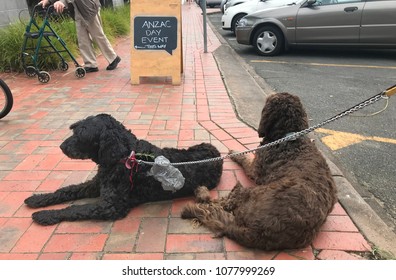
<point x="98" y="36"/>
<point x="85" y="45"/>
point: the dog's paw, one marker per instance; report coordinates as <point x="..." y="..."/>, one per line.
<point x="187" y="212"/>
<point x="35" y="201"/>
<point x="202" y="195"/>
<point x="46" y="217"/>
<point x="218" y="234"/>
<point x="236" y="157"/>
<point x="231" y="152"/>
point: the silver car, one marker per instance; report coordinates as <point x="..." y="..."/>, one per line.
<point x="356" y="23"/>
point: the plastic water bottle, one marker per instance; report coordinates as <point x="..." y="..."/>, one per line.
<point x="170" y="177"/>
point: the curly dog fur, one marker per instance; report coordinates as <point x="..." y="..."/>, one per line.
<point x="294" y="190"/>
<point x="107" y="142"/>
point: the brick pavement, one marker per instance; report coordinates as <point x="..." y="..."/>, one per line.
<point x="178" y="116"/>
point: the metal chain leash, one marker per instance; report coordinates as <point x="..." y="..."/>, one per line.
<point x="294" y="135"/>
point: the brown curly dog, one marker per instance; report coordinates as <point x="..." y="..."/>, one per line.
<point x="294" y="193"/>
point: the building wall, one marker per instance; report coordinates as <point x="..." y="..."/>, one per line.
<point x="9" y="11"/>
<point x="112" y="3"/>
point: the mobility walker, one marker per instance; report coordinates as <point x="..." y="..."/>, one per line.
<point x="32" y="49"/>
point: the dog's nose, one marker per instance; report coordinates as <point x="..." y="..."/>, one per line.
<point x="62" y="146"/>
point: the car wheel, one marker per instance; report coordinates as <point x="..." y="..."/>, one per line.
<point x="268" y="41"/>
<point x="235" y="22"/>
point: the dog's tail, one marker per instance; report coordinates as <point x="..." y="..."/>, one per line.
<point x="222" y="223"/>
<point x="210" y="215"/>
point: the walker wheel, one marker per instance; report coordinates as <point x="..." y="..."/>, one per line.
<point x="44" y="77"/>
<point x="30" y="71"/>
<point x="80" y="72"/>
<point x="63" y="66"/>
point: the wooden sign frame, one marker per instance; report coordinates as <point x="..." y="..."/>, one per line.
<point x="156" y="49"/>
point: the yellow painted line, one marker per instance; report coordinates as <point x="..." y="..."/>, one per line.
<point x="336" y="140"/>
<point x="325" y="64"/>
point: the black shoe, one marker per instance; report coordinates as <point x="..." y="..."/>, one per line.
<point x="91" y="69"/>
<point x="114" y="64"/>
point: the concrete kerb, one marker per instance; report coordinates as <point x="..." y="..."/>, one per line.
<point x="368" y="222"/>
<point x="248" y="92"/>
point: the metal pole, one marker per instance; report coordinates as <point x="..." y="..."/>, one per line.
<point x="203" y="3"/>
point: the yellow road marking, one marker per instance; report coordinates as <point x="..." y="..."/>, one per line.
<point x="336" y="140"/>
<point x="325" y="64"/>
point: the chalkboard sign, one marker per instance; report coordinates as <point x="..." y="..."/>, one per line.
<point x="155" y="33"/>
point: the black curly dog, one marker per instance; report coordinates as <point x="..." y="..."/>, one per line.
<point x="108" y="143"/>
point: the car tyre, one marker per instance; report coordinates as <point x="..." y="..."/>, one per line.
<point x="235" y="22"/>
<point x="268" y="41"/>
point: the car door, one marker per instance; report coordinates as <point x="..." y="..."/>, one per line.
<point x="379" y="22"/>
<point x="329" y="22"/>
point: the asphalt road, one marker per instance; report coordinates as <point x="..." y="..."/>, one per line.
<point x="328" y="82"/>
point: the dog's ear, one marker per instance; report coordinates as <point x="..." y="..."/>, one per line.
<point x="112" y="147"/>
<point x="264" y="122"/>
<point x="261" y="129"/>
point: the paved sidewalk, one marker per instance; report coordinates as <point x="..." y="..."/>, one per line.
<point x="197" y="111"/>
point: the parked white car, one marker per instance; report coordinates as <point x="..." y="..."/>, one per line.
<point x="233" y="14"/>
<point x="222" y="5"/>
<point x="232" y="3"/>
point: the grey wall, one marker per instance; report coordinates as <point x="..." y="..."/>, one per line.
<point x="118" y="3"/>
<point x="9" y="11"/>
<point x="113" y="3"/>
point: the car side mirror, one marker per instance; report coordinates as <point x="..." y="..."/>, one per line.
<point x="310" y="2"/>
